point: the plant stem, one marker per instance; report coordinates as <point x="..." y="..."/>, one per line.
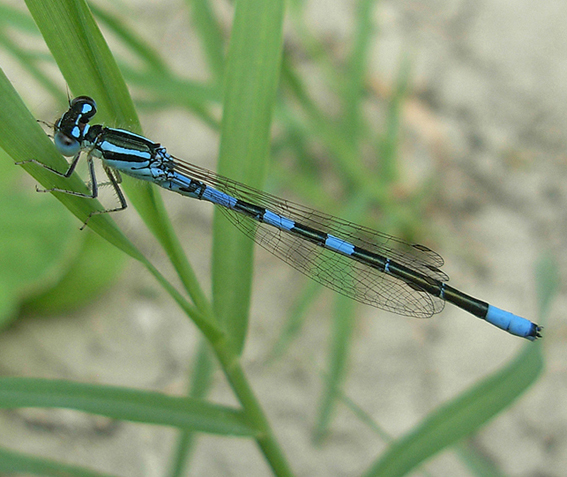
<point x="266" y="440"/>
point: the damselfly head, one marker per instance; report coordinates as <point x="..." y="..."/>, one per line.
<point x="71" y="127"/>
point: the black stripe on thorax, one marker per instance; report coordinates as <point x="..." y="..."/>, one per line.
<point x="128" y="138"/>
<point x="130" y="145"/>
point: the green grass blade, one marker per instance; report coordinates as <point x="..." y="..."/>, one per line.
<point x="85" y="60"/>
<point x="22" y="138"/>
<point x="356" y="72"/>
<point x="177" y="92"/>
<point x="251" y="80"/>
<point x="16" y="18"/>
<point x="547" y="281"/>
<point x="297" y="316"/>
<point x="94" y="267"/>
<point x="462" y="416"/>
<point x="199" y="386"/>
<point x="125" y="404"/>
<point x="30" y="62"/>
<point x="343" y="326"/>
<point x="88" y="66"/>
<point x="138" y="49"/>
<point x="389" y="142"/>
<point x="86" y="35"/>
<point x="479" y="465"/>
<point x="211" y="35"/>
<point x="23" y="464"/>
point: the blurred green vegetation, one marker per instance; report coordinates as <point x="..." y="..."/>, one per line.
<point x="332" y="158"/>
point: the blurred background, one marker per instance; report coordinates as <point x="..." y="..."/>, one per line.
<point x="455" y="137"/>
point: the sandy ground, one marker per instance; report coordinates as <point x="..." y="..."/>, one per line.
<point x="490" y="115"/>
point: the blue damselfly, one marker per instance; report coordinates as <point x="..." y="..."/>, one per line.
<point x="366" y="265"/>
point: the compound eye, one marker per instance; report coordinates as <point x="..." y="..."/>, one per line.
<point x="66" y="145"/>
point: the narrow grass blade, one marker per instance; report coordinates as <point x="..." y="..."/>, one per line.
<point x="125" y="404"/>
<point x="23" y="139"/>
<point x="93" y="269"/>
<point x="76" y="43"/>
<point x="547" y="281"/>
<point x="297" y="316"/>
<point x="23" y="464"/>
<point x="211" y="35"/>
<point x="389" y="142"/>
<point x="356" y="72"/>
<point x="462" y="416"/>
<point x="85" y="60"/>
<point x="479" y="465"/>
<point x="30" y="62"/>
<point x="137" y="48"/>
<point x="338" y="357"/>
<point x="200" y="384"/>
<point x="251" y="80"/>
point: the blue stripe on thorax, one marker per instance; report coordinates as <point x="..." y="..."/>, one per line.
<point x="110" y="149"/>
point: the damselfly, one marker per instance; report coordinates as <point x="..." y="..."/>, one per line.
<point x="368" y="266"/>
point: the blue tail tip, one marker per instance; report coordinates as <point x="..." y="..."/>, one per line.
<point x="513" y="324"/>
